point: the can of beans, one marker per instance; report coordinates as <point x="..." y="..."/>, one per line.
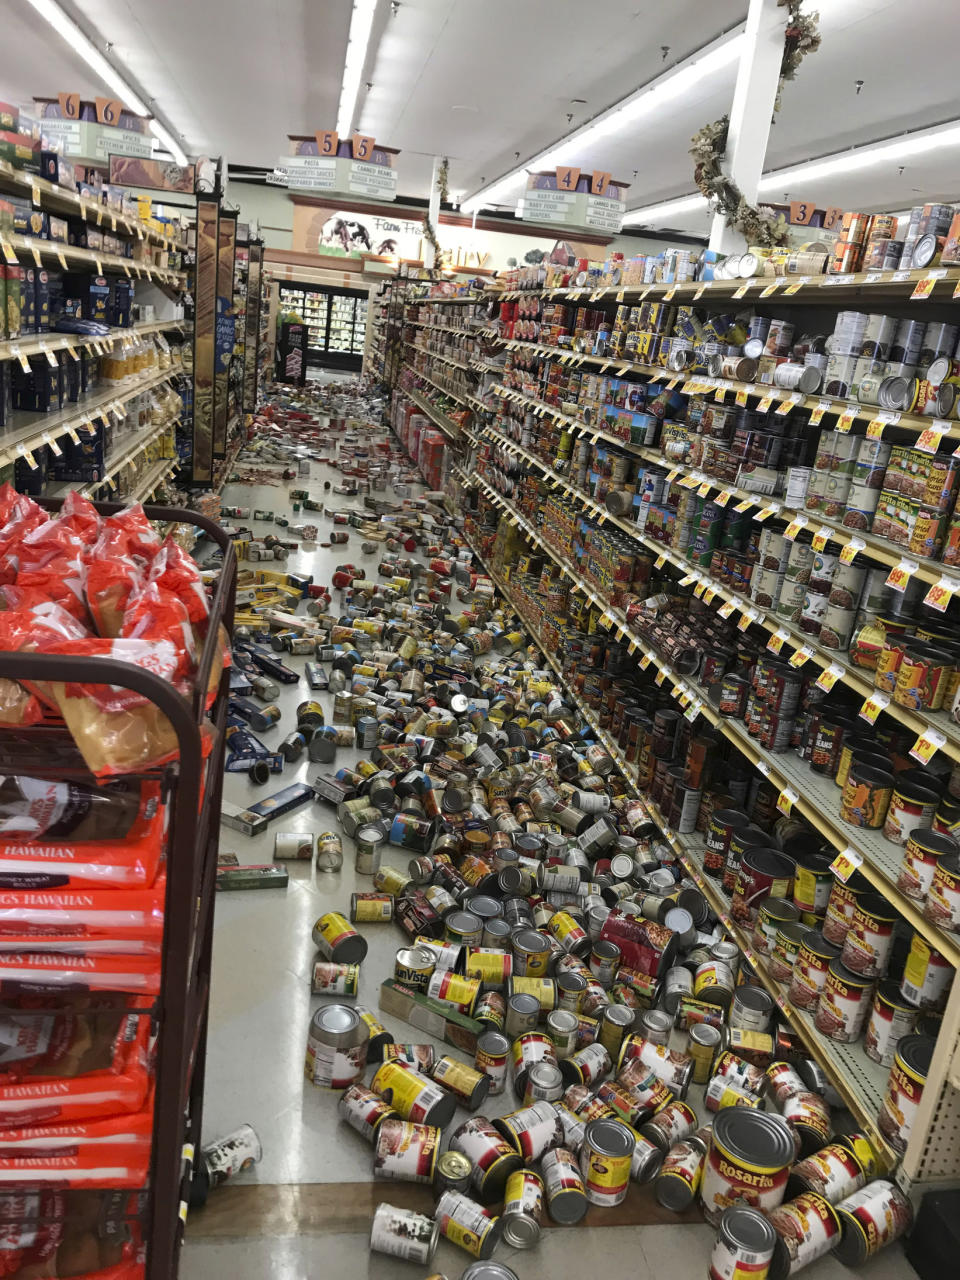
<point x="492" y="1156"/>
<point x="334" y="938"/>
<point x="491" y="1059"/>
<point x="866" y="948"/>
<point x="371" y="908"/>
<point x="605" y="1161"/>
<point x="402" y="1233"/>
<point x="467" y="1224"/>
<point x="806" y="1228"/>
<point x="364" y="1110"/>
<point x="810" y="969"/>
<point x="678" y="1180"/>
<point x="522" y="1209"/>
<point x="840" y="907"/>
<point x="927" y="976"/>
<point x="329" y="979"/>
<point x="844" y="1003"/>
<point x="923" y="850"/>
<point x="749" y="1158"/>
<point x="874" y="1216"/>
<point x="414" y="1096"/>
<point x="744" y="1245"/>
<point x="898" y="1111"/>
<point x="671" y="1125"/>
<point x="406" y="1152"/>
<point x="469" y="1085"/>
<point x="533" y="1129"/>
<point x="833" y="1172"/>
<point x="942" y="906"/>
<point x="460" y="992"/>
<point x="566" y="1196"/>
<point x="891" y="1018"/>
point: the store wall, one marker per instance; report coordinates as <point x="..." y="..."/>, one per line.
<point x="284" y="228"/>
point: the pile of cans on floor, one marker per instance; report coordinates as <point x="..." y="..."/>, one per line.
<point x="554" y="939"/>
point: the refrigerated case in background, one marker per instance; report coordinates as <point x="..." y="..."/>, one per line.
<point x="335" y="319"/>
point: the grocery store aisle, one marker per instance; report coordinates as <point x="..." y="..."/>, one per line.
<point x="305" y="1209"/>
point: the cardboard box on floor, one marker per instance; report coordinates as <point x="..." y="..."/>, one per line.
<point x="432" y="1016"/>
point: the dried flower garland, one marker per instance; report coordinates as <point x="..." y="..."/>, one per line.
<point x="443" y="181"/>
<point x="708" y="147"/>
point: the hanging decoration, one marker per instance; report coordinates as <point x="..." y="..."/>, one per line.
<point x="430" y="235"/>
<point x="443" y="181"/>
<point x="708" y="147"/>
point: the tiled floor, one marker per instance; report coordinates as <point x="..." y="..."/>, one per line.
<point x="260" y="1010"/>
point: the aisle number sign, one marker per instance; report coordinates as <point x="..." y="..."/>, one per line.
<point x="353" y="165"/>
<point x="573" y="197"/>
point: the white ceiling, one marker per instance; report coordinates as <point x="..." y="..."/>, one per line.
<point x="479" y="80"/>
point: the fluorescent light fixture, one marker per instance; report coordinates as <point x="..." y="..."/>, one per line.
<point x="651" y="214"/>
<point x="662" y="91"/>
<point x="908" y="145"/>
<point x="111" y="77"/>
<point x="919" y="143"/>
<point x="361" y="24"/>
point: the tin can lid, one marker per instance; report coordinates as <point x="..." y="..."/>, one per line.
<point x="463" y="922"/>
<point x="610" y="1138"/>
<point x="519" y="1231"/>
<point x="748" y="1229"/>
<point x="756" y="1137"/>
<point x="454" y="1165"/>
<point x="339" y="1025"/>
<point x="915" y="1053"/>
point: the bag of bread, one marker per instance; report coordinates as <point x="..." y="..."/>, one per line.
<point x="100" y="921"/>
<point x="19" y="515"/>
<point x="29" y="621"/>
<point x="50" y="564"/>
<point x="81" y="517"/>
<point x="50" y="972"/>
<point x="57" y="1233"/>
<point x="141" y="539"/>
<point x="114" y="567"/>
<point x="154" y="614"/>
<point x="177" y="572"/>
<point x="116" y="730"/>
<point x="79" y="1155"/>
<point x="95" y="847"/>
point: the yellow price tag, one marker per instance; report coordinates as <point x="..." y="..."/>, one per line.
<point x="741" y="292"/>
<point x="18" y="355"/>
<point x="772" y="287"/>
<point x="745" y="619"/>
<point x="704" y="285"/>
<point x="819" y="409"/>
<point x="704" y="489"/>
<point x="778" y="639"/>
<point x="723" y="497"/>
<point x="643" y="661"/>
<point x="929" y="440"/>
<point x="941" y="593"/>
<point x="621" y="294"/>
<point x="787" y="799"/>
<point x="745" y="505"/>
<point x="28" y="457"/>
<point x="767" y="512"/>
<point x="632" y="647"/>
<point x="660" y="561"/>
<point x="927" y="745"/>
<point x="926" y="285"/>
<point x="822" y="537"/>
<point x="802" y="656"/>
<point x="699" y="589"/>
<point x="727" y="608"/>
<point x="794" y="527"/>
<point x="901" y="573"/>
<point x="796" y="285"/>
<point x="849" y="553"/>
<point x="720" y="394"/>
<point x="99" y="267"/>
<point x="829" y="676"/>
<point x="847" y="418"/>
<point x="876" y="703"/>
<point x="36" y="254"/>
<point x="659" y="678"/>
<point x="51" y="357"/>
<point x="742" y="396"/>
<point x="9" y="254"/>
<point x="709" y="596"/>
<point x="845" y="864"/>
<point x="765" y="403"/>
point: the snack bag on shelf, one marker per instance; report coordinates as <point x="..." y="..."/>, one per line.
<point x="69" y="1063"/>
<point x="90" y="921"/>
<point x="63" y="835"/>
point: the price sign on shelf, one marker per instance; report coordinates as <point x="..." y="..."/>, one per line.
<point x="787" y="799"/>
<point x="745" y="505"/>
<point x="693" y="710"/>
<point x="742" y="397"/>
<point x="940" y="594"/>
<point x="643" y="661"/>
<point x="829" y="676"/>
<point x="876" y="703"/>
<point x="845" y="863"/>
<point x="849" y="553"/>
<point x="660" y="561"/>
<point x="794" y="527"/>
<point x="929" y="440"/>
<point x="801" y="656"/>
<point x="659" y="678"/>
<point x="765" y="403"/>
<point x="699" y="589"/>
<point x="796" y="285"/>
<point x="926" y="285"/>
<point x="901" y="573"/>
<point x="818" y="410"/>
<point x="704" y="489"/>
<point x="771" y="509"/>
<point x="52" y="444"/>
<point x="927" y="745"/>
<point x="847" y="418"/>
<point x="778" y="639"/>
<point x="770" y="288"/>
<point x="746" y="618"/>
<point x="822" y="537"/>
<point x="709" y="596"/>
<point x="723" y="497"/>
<point x="727" y="608"/>
<point x="27" y="455"/>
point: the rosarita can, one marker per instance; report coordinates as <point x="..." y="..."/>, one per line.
<point x="493" y="1158"/>
<point x="335" y="939"/>
<point x="870" y="1219"/>
<point x="467" y="1224"/>
<point x="406" y="1152"/>
<point x="605" y="1161"/>
<point x="748" y="1162"/>
<point x="744" y="1245"/>
<point x="566" y="1198"/>
<point x="364" y="1111"/>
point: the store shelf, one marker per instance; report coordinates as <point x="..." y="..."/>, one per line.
<point x="31" y="344"/>
<point x="57" y="199"/>
<point x="859" y="1081"/>
<point x="153" y="479"/>
<point x="435" y="355"/>
<point x="817" y="799"/>
<point x="692" y="383"/>
<point x="449" y="429"/>
<point x="70" y="256"/>
<point x="867" y="287"/>
<point x="31" y="431"/>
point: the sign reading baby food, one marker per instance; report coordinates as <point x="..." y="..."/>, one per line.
<point x="574" y="198"/>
